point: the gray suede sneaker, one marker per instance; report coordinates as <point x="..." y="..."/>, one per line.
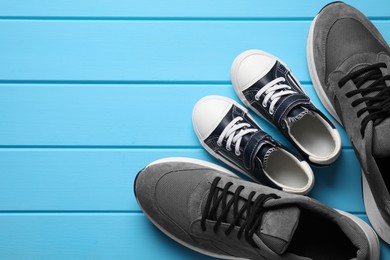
<point x="349" y="64"/>
<point x="212" y="211"/>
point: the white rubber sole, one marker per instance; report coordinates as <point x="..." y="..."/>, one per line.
<point x="204" y="164"/>
<point x="377" y="221"/>
<point x="371" y="236"/>
<point x="194" y="161"/>
<point x="234" y="71"/>
<point x="306" y="166"/>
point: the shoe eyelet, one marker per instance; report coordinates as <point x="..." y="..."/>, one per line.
<point x="219" y="144"/>
<point x="271" y="112"/>
<point x="229" y="149"/>
<point x="264" y="105"/>
<point x="238" y="154"/>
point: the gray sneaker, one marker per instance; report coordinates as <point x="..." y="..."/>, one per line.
<point x="349" y="64"/>
<point x="212" y="211"/>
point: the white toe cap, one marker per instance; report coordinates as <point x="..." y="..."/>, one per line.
<point x="249" y="67"/>
<point x="208" y="113"/>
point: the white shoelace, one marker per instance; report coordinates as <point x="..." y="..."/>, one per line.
<point x="232" y="137"/>
<point x="270" y="90"/>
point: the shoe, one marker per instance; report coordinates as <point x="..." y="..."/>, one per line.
<point x="349" y="63"/>
<point x="210" y="210"/>
<point x="229" y="133"/>
<point x="266" y="85"/>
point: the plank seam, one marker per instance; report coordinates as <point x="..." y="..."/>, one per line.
<point x="98" y="212"/>
<point x="110" y="147"/>
<point x="169" y="19"/>
<point x="126" y="82"/>
<point x="70" y="211"/>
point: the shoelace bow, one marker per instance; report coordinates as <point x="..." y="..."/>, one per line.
<point x="254" y="210"/>
<point x="230" y="132"/>
<point x="378" y="106"/>
<point x="273" y="91"/>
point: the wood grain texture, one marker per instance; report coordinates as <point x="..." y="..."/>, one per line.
<point x="93" y="90"/>
<point x="151" y="51"/>
<point x="110" y="115"/>
<point x="272" y="9"/>
<point x="102" y="179"/>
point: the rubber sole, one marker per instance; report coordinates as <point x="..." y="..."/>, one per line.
<point x="194" y="161"/>
<point x="377" y="221"/>
<point x="373" y="213"/>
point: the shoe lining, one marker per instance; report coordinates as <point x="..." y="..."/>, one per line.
<point x="319" y="238"/>
<point x="313" y="136"/>
<point x="286" y="170"/>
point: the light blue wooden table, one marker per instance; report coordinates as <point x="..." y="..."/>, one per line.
<point x="93" y="90"/>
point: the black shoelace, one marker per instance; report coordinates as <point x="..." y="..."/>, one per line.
<point x="377" y="106"/>
<point x="254" y="210"/>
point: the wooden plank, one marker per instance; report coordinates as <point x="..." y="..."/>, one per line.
<point x="176" y="8"/>
<point x="109" y="115"/>
<point x="102" y="179"/>
<point x="86" y="236"/>
<point x="90" y="236"/>
<point x="153" y="51"/>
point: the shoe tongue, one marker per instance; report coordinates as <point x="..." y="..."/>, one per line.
<point x="296" y="114"/>
<point x="381" y="132"/>
<point x="380" y="141"/>
<point x="278" y="227"/>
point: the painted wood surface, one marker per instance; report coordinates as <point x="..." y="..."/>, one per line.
<point x="117" y="9"/>
<point x="102" y="179"/>
<point x="92" y="91"/>
<point x="121" y="115"/>
<point x="142" y="51"/>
